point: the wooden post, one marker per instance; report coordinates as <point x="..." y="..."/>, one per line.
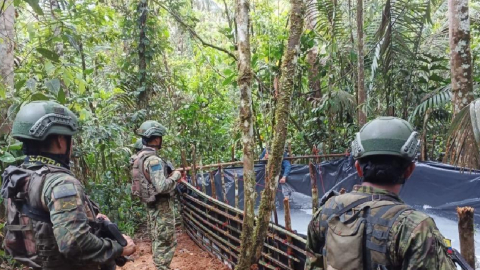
<point x="466" y="231"/>
<point x="313" y="182"/>
<point x="212" y="183"/>
<point x="288" y="226"/>
<point x="204" y="189"/>
<point x="233" y="153"/>
<point x="222" y="178"/>
<point x="184" y="163"/>
<point x="194" y="166"/>
<point x="235" y="177"/>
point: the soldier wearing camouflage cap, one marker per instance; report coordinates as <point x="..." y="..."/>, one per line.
<point x="155" y="186"/>
<point x="49" y="216"/>
<point x="371" y="228"/>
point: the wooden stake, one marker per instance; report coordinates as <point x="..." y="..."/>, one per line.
<point x="184" y="163"/>
<point x="466" y="231"/>
<point x="212" y="184"/>
<point x="222" y="178"/>
<point x="288" y="226"/>
<point x="313" y="182"/>
<point x="235" y="177"/>
<point x="204" y="188"/>
<point x="194" y="166"/>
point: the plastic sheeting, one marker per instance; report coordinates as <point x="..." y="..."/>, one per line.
<point x="434" y="187"/>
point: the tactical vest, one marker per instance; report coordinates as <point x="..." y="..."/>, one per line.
<point x="142" y="187"/>
<point x="356" y="235"/>
<point x="29" y="234"/>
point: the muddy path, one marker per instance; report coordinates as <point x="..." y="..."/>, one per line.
<point x="188" y="256"/>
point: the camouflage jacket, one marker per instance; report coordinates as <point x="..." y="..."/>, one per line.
<point x="72" y="215"/>
<point x="414" y="242"/>
<point x="156" y="169"/>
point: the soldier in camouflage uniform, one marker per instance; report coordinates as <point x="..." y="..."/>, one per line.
<point x="50" y="219"/>
<point x="156" y="188"/>
<point x="371" y="228"/>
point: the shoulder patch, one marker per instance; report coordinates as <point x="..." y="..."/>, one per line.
<point x="156" y="167"/>
<point x="63" y="191"/>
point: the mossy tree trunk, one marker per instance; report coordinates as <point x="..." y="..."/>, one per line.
<point x="142" y="9"/>
<point x="282" y="112"/>
<point x="460" y="55"/>
<point x="362" y="117"/>
<point x="245" y="76"/>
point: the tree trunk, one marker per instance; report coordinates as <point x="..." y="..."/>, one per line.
<point x="7" y="44"/>
<point x="362" y="117"/>
<point x="142" y="57"/>
<point x="282" y="112"/>
<point x="245" y="76"/>
<point x="460" y="57"/>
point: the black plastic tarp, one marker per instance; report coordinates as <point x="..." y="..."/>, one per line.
<point x="433" y="187"/>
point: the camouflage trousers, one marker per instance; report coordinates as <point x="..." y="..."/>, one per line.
<point x="161" y="223"/>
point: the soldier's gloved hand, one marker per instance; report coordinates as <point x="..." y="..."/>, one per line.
<point x="130" y="248"/>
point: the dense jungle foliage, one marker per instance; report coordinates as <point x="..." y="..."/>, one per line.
<point x="116" y="63"/>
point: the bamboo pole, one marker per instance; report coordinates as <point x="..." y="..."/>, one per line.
<point x="466" y="231"/>
<point x="217" y="211"/>
<point x="184" y="163"/>
<point x="204" y="188"/>
<point x="194" y="166"/>
<point x="222" y="179"/>
<point x="313" y="182"/>
<point x="234" y="210"/>
<point x="288" y="226"/>
<point x="226" y="164"/>
<point x="212" y="184"/>
<point x="235" y="177"/>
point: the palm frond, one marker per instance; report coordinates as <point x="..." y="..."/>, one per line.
<point x="435" y="100"/>
<point x="462" y="148"/>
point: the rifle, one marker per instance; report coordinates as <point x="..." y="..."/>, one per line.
<point x="456" y="256"/>
<point x="107" y="229"/>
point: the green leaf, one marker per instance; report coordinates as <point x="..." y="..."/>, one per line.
<point x="7" y="157"/>
<point x="35" y="6"/>
<point x="61" y="97"/>
<point x="53" y="86"/>
<point x="49" y="54"/>
<point x="3" y="92"/>
<point x="228" y="80"/>
<point x="20" y="84"/>
<point x="32" y="84"/>
<point x="38" y="96"/>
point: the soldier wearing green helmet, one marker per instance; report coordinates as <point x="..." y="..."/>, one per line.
<point x="155" y="186"/>
<point x="49" y="216"/>
<point x="371" y="228"/>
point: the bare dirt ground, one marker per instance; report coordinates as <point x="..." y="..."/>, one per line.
<point x="188" y="256"/>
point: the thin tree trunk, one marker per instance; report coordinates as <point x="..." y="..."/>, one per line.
<point x="142" y="57"/>
<point x="7" y="45"/>
<point x="460" y="56"/>
<point x="282" y="112"/>
<point x="362" y="117"/>
<point x="245" y="76"/>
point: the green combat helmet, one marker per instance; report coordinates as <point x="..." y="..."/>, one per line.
<point x="386" y="136"/>
<point x="151" y="128"/>
<point x="138" y="145"/>
<point x="39" y="119"/>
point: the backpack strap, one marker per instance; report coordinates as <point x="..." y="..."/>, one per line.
<point x="146" y="153"/>
<point x="381" y="236"/>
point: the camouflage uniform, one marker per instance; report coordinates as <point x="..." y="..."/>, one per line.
<point x="71" y="213"/>
<point x="414" y="241"/>
<point x="161" y="214"/>
<point x="50" y="220"/>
